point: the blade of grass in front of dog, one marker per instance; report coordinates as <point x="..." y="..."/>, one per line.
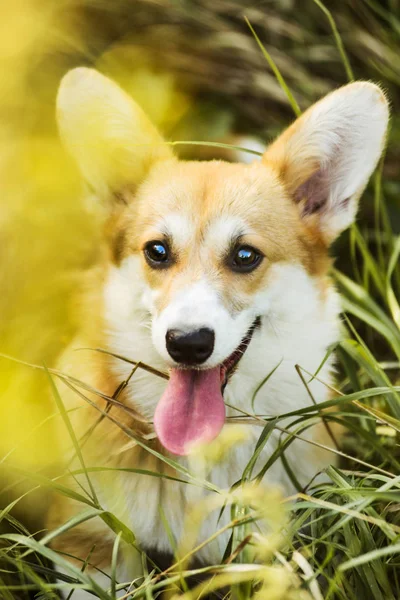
<point x="130" y="434"/>
<point x="383" y="226"/>
<point x="58" y="560"/>
<point x="380" y="416"/>
<point x="237" y="574"/>
<point x="25" y="570"/>
<point x="363" y="503"/>
<point x="307" y="412"/>
<point x="173" y="544"/>
<point x="131" y="470"/>
<point x="214" y="145"/>
<point x="369" y="263"/>
<point x="360" y="353"/>
<point x="12" y="521"/>
<point x="331" y="349"/>
<point x="369" y="557"/>
<point x="313" y="400"/>
<point x="391" y="296"/>
<point x="378" y="215"/>
<point x="362" y="493"/>
<point x="310" y="581"/>
<point x="28" y="572"/>
<point x="83" y="568"/>
<point x="113" y="399"/>
<point x="147" y="579"/>
<point x="291" y="436"/>
<point x="371" y="439"/>
<point x="312" y="410"/>
<point x="347" y="510"/>
<point x="366" y="310"/>
<point x="349" y="368"/>
<point x="118" y="527"/>
<point x="68" y="424"/>
<point x="277" y="453"/>
<point x="344" y="398"/>
<point x="4" y="513"/>
<point x="74" y="521"/>
<point x="354" y="547"/>
<point x="159" y="585"/>
<point x="172" y="463"/>
<point x="184" y="559"/>
<point x="261" y="442"/>
<point x="290" y="472"/>
<point x="6" y="591"/>
<point x="275" y="70"/>
<point x="78" y="519"/>
<point x="377" y="317"/>
<point x="356" y="274"/>
<point x="263" y="382"/>
<point x="140" y="364"/>
<point x="338" y="39"/>
<point x="114" y="565"/>
<point x="46" y="482"/>
<point x="351" y="510"/>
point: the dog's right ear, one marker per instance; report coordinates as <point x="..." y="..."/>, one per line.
<point x="107" y="133"/>
<point x="325" y="158"/>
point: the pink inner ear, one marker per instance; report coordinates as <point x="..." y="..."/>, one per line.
<point x="315" y="191"/>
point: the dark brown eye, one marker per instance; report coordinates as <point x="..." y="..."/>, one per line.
<point x="244" y="259"/>
<point x="157" y="254"/>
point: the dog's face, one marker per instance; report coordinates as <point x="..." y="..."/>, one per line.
<point x="206" y="235"/>
<point x="209" y="239"/>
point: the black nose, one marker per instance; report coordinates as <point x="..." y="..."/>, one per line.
<point x="190" y="348"/>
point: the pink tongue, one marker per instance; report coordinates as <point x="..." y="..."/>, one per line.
<point x="190" y="410"/>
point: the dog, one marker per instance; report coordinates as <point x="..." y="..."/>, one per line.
<point x="215" y="275"/>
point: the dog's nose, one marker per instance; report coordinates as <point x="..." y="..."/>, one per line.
<point x="190" y="348"/>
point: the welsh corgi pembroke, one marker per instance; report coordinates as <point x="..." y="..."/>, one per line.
<point x="215" y="274"/>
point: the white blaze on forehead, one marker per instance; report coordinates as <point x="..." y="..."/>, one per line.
<point x="181" y="229"/>
<point x="222" y="231"/>
<point x="195" y="306"/>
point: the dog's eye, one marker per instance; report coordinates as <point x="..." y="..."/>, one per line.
<point x="244" y="259"/>
<point x="156" y="253"/>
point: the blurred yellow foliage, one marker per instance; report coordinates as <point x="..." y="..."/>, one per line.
<point x="156" y="92"/>
<point x="49" y="235"/>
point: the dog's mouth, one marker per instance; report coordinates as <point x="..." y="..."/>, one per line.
<point x="229" y="365"/>
<point x="192" y="408"/>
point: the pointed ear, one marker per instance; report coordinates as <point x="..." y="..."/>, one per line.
<point x="326" y="157"/>
<point x="107" y="133"/>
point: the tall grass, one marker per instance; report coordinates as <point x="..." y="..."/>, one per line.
<point x="339" y="540"/>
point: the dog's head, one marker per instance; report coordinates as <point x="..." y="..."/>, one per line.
<point x="208" y="239"/>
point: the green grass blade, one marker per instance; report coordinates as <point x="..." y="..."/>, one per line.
<point x="338" y="40"/>
<point x="277" y="73"/>
<point x="68" y="424"/>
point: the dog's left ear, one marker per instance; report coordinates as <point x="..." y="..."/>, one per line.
<point x="326" y="156"/>
<point x="111" y="139"/>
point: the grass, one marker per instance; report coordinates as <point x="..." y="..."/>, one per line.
<point x="339" y="540"/>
